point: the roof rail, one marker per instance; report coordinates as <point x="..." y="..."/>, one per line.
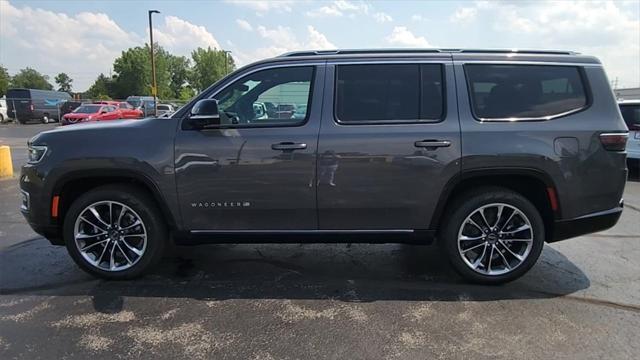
<point x="421" y="51"/>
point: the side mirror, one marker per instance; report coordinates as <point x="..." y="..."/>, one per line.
<point x="205" y="113"/>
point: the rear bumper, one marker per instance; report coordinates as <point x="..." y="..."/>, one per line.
<point x="586" y="224"/>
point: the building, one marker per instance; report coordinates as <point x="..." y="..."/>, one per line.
<point x="628" y="94"/>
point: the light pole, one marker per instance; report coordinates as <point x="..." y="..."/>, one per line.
<point x="226" y="61"/>
<point x="154" y="86"/>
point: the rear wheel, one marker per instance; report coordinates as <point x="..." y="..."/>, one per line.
<point x="494" y="235"/>
<point x="115" y="232"/>
<point x="45" y="119"/>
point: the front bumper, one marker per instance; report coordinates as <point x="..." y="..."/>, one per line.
<point x="586" y="224"/>
<point x="36" y="205"/>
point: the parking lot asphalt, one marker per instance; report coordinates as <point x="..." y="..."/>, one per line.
<point x="316" y="301"/>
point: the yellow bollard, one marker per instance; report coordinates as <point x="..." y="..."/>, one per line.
<point x="6" y="166"/>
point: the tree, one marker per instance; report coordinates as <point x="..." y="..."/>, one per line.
<point x="4" y="80"/>
<point x="209" y="66"/>
<point x="102" y="88"/>
<point x="186" y="93"/>
<point x="133" y="72"/>
<point x="29" y="78"/>
<point x="64" y="82"/>
<point x="178" y="67"/>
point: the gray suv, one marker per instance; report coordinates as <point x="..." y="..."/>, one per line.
<point x="488" y="153"/>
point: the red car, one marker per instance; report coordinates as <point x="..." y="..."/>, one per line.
<point x="126" y="110"/>
<point x="91" y="112"/>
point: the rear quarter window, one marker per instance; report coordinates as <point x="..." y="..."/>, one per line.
<point x="513" y="92"/>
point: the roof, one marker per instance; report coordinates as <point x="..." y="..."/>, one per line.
<point x="455" y="54"/>
<point x="423" y="51"/>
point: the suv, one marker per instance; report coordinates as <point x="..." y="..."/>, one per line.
<point x="630" y="110"/>
<point x="489" y="153"/>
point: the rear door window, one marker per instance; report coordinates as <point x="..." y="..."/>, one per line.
<point x="383" y="93"/>
<point x="513" y="92"/>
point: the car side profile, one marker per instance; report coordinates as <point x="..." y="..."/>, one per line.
<point x="91" y="112"/>
<point x="126" y="110"/>
<point x="487" y="153"/>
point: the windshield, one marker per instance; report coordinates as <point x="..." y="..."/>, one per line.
<point x="87" y="109"/>
<point x="631" y="115"/>
<point x="134" y="102"/>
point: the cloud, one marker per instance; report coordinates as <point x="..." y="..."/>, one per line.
<point x="325" y="11"/>
<point x="282" y="39"/>
<point x="80" y="45"/>
<point x="85" y="44"/>
<point x="350" y="9"/>
<point x="604" y="29"/>
<point x="244" y="25"/>
<point x="464" y="15"/>
<point x="401" y="36"/>
<point x="263" y="6"/>
<point x="382" y="17"/>
<point x="418" y="18"/>
<point x="181" y="37"/>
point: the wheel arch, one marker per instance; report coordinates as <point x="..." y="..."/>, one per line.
<point x="533" y="184"/>
<point x="74" y="184"/>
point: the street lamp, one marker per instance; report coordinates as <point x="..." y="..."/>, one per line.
<point x="226" y="60"/>
<point x="154" y="86"/>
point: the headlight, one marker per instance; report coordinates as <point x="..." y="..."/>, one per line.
<point x="36" y="153"/>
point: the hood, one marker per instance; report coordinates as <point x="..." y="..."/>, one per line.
<point x="108" y="132"/>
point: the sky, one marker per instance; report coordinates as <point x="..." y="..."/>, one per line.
<point x="82" y="38"/>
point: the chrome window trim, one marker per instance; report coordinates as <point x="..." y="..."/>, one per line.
<point x="585" y="84"/>
<point x="524" y="62"/>
<point x="443" y="116"/>
<point x="233" y="77"/>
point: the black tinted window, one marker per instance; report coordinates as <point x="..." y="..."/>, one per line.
<point x="524" y="91"/>
<point x="631" y="115"/>
<point x="389" y="92"/>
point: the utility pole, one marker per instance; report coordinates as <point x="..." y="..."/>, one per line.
<point x="154" y="86"/>
<point x="226" y="61"/>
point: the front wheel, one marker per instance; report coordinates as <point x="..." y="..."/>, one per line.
<point x="493" y="235"/>
<point x="115" y="232"/>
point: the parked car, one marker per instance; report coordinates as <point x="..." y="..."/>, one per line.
<point x="4" y="117"/>
<point x="126" y="110"/>
<point x="488" y="153"/>
<point x="144" y="103"/>
<point x="630" y="110"/>
<point x="69" y="106"/>
<point x="91" y="112"/>
<point x="165" y="109"/>
<point x="31" y="104"/>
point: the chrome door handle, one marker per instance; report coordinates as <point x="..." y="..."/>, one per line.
<point x="432" y="143"/>
<point x="289" y="146"/>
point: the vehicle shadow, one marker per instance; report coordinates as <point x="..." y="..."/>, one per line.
<point x="350" y="273"/>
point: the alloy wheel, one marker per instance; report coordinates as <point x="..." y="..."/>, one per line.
<point x="495" y="239"/>
<point x="110" y="236"/>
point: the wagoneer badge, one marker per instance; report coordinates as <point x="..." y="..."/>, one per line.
<point x="221" y="204"/>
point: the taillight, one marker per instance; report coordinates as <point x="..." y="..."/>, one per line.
<point x="31" y="107"/>
<point x="614" y="141"/>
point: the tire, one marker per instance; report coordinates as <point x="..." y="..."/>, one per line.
<point x="2" y="119"/>
<point x="135" y="248"/>
<point x="469" y="248"/>
<point x="45" y="119"/>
